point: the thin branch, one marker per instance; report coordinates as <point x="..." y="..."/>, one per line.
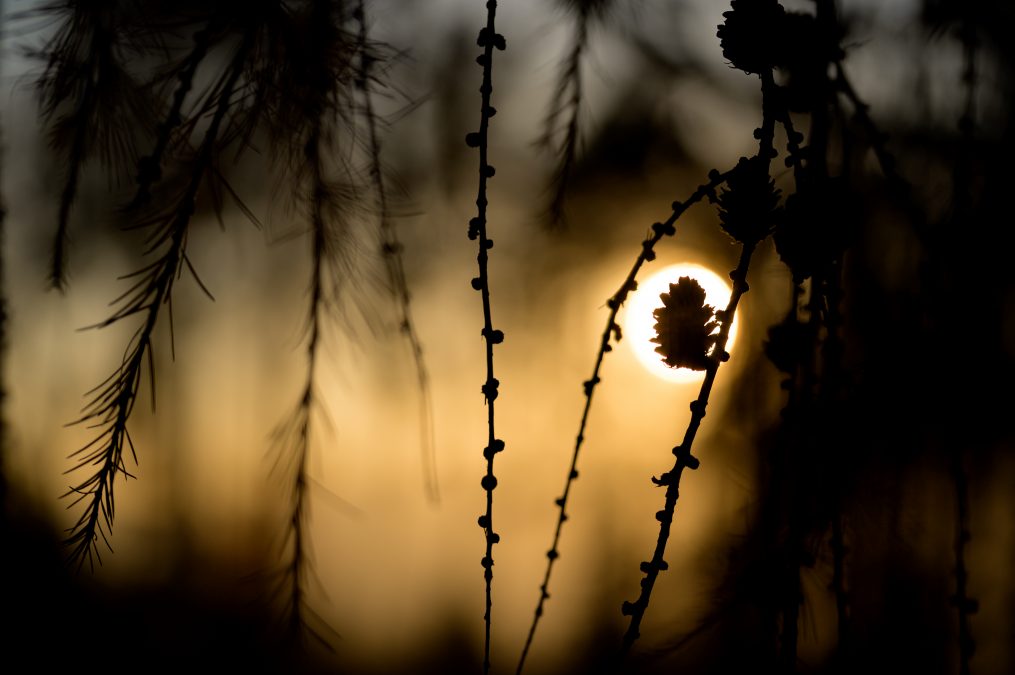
<point x="488" y="39"/>
<point x="88" y="99"/>
<point x="684" y="459"/>
<point x="58" y="263"/>
<point x="301" y="423"/>
<point x="392" y="250"/>
<point x="610" y="333"/>
<point x="566" y="102"/>
<point x="305" y="97"/>
<point x="113" y="401"/>
<point x="150" y="166"/>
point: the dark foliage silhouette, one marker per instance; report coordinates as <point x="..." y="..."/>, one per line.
<point x="611" y="335"/>
<point x="490" y="40"/>
<point x="562" y="127"/>
<point x="858" y="438"/>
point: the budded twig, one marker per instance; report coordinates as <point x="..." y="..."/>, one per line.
<point x="611" y="334"/>
<point x="489" y="39"/>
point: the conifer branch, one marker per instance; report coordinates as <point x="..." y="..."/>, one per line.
<point x="88" y="99"/>
<point x="684" y="459"/>
<point x="611" y="333"/>
<point x="307" y="94"/>
<point x="488" y="39"/>
<point x="682" y="453"/>
<point x="566" y="102"/>
<point x="293" y="438"/>
<point x="295" y="435"/>
<point x="113" y="400"/>
<point x="149" y="169"/>
<point x="392" y="251"/>
<point x="562" y="139"/>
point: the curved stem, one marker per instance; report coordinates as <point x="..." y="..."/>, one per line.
<point x="113" y="400"/>
<point x="684" y="459"/>
<point x="610" y="333"/>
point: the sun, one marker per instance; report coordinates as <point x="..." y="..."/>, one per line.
<point x="639" y="324"/>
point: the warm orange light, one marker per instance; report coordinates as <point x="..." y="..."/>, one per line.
<point x="639" y="324"/>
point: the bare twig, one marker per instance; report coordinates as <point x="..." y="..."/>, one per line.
<point x="684" y="459"/>
<point x="489" y="39"/>
<point x="611" y="333"/>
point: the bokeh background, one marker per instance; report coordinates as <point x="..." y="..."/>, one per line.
<point x="396" y="584"/>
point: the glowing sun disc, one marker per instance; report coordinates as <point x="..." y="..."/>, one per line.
<point x="639" y="324"/>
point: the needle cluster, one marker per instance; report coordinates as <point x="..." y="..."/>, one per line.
<point x="221" y="75"/>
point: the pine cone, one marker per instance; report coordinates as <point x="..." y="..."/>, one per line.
<point x="750" y="35"/>
<point x="748" y="209"/>
<point x="684" y="326"/>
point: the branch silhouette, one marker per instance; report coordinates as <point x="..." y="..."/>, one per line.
<point x="113" y="400"/>
<point x="310" y="97"/>
<point x="294" y="89"/>
<point x="489" y="39"/>
<point x="611" y="333"/>
<point x="747" y="222"/>
<point x="393" y="253"/>
<point x="89" y="99"/>
<point x="562" y="139"/>
<point x="293" y="438"/>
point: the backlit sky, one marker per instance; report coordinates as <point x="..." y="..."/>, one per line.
<point x="393" y="571"/>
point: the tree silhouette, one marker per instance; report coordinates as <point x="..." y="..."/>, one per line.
<point x="859" y="438"/>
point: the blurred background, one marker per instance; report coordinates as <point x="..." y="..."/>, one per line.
<point x="396" y="583"/>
